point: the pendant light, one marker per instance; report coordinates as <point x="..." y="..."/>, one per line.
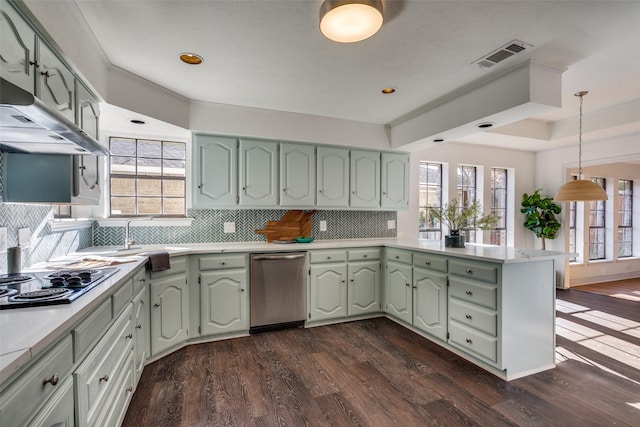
<point x="349" y="21"/>
<point x="580" y="190"/>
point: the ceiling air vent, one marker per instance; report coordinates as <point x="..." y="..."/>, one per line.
<point x="502" y="53"/>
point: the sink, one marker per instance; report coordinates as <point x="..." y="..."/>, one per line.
<point x="139" y="250"/>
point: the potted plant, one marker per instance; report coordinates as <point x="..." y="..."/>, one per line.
<point x="540" y="215"/>
<point x="458" y="217"/>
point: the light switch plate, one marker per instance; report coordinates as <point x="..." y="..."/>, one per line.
<point x="24" y="237"/>
<point x="3" y="239"/>
<point x="323" y="225"/>
<point x="391" y="224"/>
<point x="229" y="227"/>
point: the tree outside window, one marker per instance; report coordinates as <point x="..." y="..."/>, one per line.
<point x="466" y="194"/>
<point x="499" y="205"/>
<point x="430" y="194"/>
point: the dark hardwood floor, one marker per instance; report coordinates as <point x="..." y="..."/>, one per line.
<point x="377" y="373"/>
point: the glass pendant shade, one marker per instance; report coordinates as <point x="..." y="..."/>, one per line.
<point x="349" y="21"/>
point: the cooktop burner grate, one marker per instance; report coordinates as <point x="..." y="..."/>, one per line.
<point x="7" y="292"/>
<point x="42" y="294"/>
<point x="10" y="280"/>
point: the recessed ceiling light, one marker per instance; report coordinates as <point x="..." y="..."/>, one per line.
<point x="388" y="90"/>
<point x="485" y="125"/>
<point x="138" y="122"/>
<point x="191" y="58"/>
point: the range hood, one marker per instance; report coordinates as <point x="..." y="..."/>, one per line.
<point x="27" y="125"/>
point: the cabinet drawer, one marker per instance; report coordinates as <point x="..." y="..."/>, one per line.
<point x="122" y="297"/>
<point x="178" y="265"/>
<point x="139" y="280"/>
<point x="22" y="399"/>
<point x="398" y="255"/>
<point x="475" y="342"/>
<point x="327" y="256"/>
<point x="477" y="271"/>
<point x="475" y="293"/>
<point x="97" y="375"/>
<point x="116" y="407"/>
<point x="216" y="262"/>
<point x="474" y="316"/>
<point x="430" y="262"/>
<point x="363" y="254"/>
<point x="90" y="330"/>
<point x="58" y="411"/>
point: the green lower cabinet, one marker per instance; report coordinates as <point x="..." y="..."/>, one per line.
<point x="430" y="302"/>
<point x="398" y="291"/>
<point x="59" y="410"/>
<point x="364" y="287"/>
<point x="224" y="301"/>
<point x="169" y="312"/>
<point x="140" y="331"/>
<point x="328" y="291"/>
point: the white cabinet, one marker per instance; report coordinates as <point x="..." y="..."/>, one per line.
<point x="365" y="179"/>
<point x="332" y="177"/>
<point x="258" y="173"/>
<point x="297" y="175"/>
<point x="215" y="171"/>
<point x="395" y="181"/>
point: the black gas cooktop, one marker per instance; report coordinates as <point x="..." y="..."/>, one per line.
<point x="48" y="288"/>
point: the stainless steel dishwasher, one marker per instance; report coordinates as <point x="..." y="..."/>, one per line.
<point x="278" y="290"/>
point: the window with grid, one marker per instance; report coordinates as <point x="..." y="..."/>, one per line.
<point x="572" y="225"/>
<point x="499" y="205"/>
<point x="625" y="214"/>
<point x="430" y="194"/>
<point x="466" y="194"/>
<point x="597" y="230"/>
<point x="147" y="177"/>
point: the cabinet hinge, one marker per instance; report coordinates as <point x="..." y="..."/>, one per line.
<point x="447" y="281"/>
<point x="199" y="280"/>
<point x="199" y="330"/>
<point x="309" y="272"/>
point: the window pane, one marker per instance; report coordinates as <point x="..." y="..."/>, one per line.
<point x="149" y="187"/>
<point x="123" y="205"/>
<point x="150" y="149"/>
<point x="123" y="187"/>
<point x="174" y="150"/>
<point x="123" y="165"/>
<point x="173" y="188"/>
<point x="149" y="167"/>
<point x="122" y="147"/>
<point x="174" y="167"/>
<point x="149" y="205"/>
<point x="173" y="206"/>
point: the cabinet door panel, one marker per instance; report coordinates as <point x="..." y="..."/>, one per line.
<point x="215" y="171"/>
<point x="88" y="112"/>
<point x="364" y="287"/>
<point x="258" y="173"/>
<point x="328" y="294"/>
<point x="224" y="301"/>
<point x="365" y="179"/>
<point x="169" y="312"/>
<point x="398" y="293"/>
<point x="140" y="331"/>
<point x="395" y="180"/>
<point x="55" y="83"/>
<point x="430" y="302"/>
<point x="17" y="43"/>
<point x="333" y="176"/>
<point x="297" y="175"/>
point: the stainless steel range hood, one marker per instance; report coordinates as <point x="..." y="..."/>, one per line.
<point x="27" y="125"/>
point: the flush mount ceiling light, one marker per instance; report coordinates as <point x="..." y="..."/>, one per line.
<point x="191" y="58"/>
<point x="349" y="21"/>
<point x="580" y="190"/>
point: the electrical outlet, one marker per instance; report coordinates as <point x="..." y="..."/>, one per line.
<point x="391" y="224"/>
<point x="3" y="239"/>
<point x="229" y="227"/>
<point x="323" y="225"/>
<point x="24" y="237"/>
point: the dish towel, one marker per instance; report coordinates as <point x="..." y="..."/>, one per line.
<point x="159" y="261"/>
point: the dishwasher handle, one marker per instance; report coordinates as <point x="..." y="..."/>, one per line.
<point x="277" y="257"/>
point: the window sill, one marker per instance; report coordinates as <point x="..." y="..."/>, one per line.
<point x="156" y="222"/>
<point x="69" y="224"/>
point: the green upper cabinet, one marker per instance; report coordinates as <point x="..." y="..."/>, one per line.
<point x="395" y="181"/>
<point x="297" y="175"/>
<point x="333" y="177"/>
<point x="215" y="171"/>
<point x="87" y="111"/>
<point x="365" y="179"/>
<point x="55" y="84"/>
<point x="258" y="173"/>
<point x="17" y="48"/>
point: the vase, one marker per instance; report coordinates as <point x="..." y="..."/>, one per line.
<point x="454" y="239"/>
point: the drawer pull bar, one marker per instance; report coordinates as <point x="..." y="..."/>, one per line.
<point x="158" y="305"/>
<point x="469" y="341"/>
<point x="469" y="271"/>
<point x="468" y="292"/>
<point x="53" y="380"/>
<point x="129" y="336"/>
<point x="468" y="316"/>
<point x="104" y="378"/>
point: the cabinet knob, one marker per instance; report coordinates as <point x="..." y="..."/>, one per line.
<point x="104" y="378"/>
<point x="384" y="193"/>
<point x="468" y="316"/>
<point x="468" y="292"/>
<point x="45" y="73"/>
<point x="156" y="305"/>
<point x="129" y="389"/>
<point x="353" y="192"/>
<point x="469" y="271"/>
<point x="129" y="336"/>
<point x="34" y="63"/>
<point x="427" y="263"/>
<point x="407" y="284"/>
<point x="241" y="290"/>
<point x="138" y="326"/>
<point x="328" y="257"/>
<point x="414" y="287"/>
<point x="284" y="190"/>
<point x="143" y="280"/>
<point x="343" y="281"/>
<point x="351" y="280"/>
<point x="222" y="263"/>
<point x="200" y="186"/>
<point x="397" y="256"/>
<point x="53" y="380"/>
<point x="468" y="340"/>
<point x="244" y="188"/>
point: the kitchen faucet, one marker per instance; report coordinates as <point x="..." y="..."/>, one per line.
<point x="128" y="240"/>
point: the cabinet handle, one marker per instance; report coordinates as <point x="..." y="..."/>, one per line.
<point x="343" y="281"/>
<point x="53" y="380"/>
<point x="244" y="188"/>
<point x="284" y="190"/>
<point x="241" y="290"/>
<point x="469" y="341"/>
<point x="469" y="271"/>
<point x="129" y="389"/>
<point x="468" y="316"/>
<point x="468" y="292"/>
<point x="427" y="263"/>
<point x="129" y="336"/>
<point x="143" y="280"/>
<point x="104" y="378"/>
<point x="414" y="287"/>
<point x="138" y="326"/>
<point x="34" y="63"/>
<point x="351" y="280"/>
<point x="46" y="74"/>
<point x="407" y="284"/>
<point x="364" y="256"/>
<point x="384" y="193"/>
<point x="156" y="305"/>
<point x="397" y="256"/>
<point x="328" y="257"/>
<point x="200" y="186"/>
<point x="222" y="263"/>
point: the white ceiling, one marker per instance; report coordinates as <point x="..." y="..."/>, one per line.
<point x="270" y="54"/>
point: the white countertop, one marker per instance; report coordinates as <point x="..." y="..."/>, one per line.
<point x="25" y="332"/>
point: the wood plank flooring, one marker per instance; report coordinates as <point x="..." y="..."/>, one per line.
<point x="628" y="289"/>
<point x="377" y="373"/>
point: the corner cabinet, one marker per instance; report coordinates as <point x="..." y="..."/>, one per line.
<point x="395" y="181"/>
<point x="215" y="171"/>
<point x="297" y="175"/>
<point x="258" y="173"/>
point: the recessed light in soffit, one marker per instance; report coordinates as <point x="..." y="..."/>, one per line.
<point x="388" y="90"/>
<point x="191" y="58"/>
